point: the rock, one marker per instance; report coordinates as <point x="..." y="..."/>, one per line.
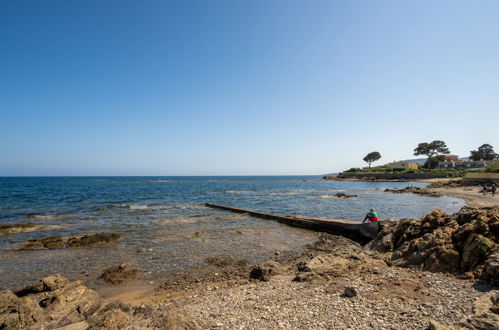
<point x="490" y="271"/>
<point x="415" y="190"/>
<point x="265" y="271"/>
<point x="484" y="315"/>
<point x="72" y="241"/>
<point x="220" y="262"/>
<point x="18" y="228"/>
<point x="345" y="196"/>
<point x="118" y="274"/>
<point x="350" y="292"/>
<point x="439" y="242"/>
<point x="435" y="325"/>
<point x="54" y="302"/>
<point x="326" y="264"/>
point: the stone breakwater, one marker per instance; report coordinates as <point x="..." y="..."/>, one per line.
<point x="435" y="272"/>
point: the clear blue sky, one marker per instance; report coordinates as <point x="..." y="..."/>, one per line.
<point x="241" y="87"/>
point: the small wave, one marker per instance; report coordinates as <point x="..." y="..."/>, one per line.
<point x="238" y="192"/>
<point x="327" y="197"/>
<point x="137" y="207"/>
<point x="161" y="181"/>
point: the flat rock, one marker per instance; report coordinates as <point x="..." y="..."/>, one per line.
<point x="72" y="241"/>
<point x="118" y="274"/>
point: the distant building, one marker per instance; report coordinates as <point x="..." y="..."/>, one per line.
<point x="463" y="164"/>
<point x="451" y="158"/>
<point x="402" y="165"/>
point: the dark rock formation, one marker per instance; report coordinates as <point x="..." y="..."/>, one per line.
<point x="414" y="190"/>
<point x="350" y="292"/>
<point x="345" y="196"/>
<point x="459" y="243"/>
<point x="72" y="241"/>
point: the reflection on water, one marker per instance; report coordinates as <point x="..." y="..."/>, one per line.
<point x="166" y="226"/>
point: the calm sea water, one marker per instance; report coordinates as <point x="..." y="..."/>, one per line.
<point x="166" y="228"/>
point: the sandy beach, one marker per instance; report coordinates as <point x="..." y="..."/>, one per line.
<point x="470" y="194"/>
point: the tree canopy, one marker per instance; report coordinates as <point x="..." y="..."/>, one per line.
<point x="431" y="150"/>
<point x="372" y="157"/>
<point x="485" y="152"/>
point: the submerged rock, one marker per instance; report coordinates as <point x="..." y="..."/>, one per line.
<point x="18" y="228"/>
<point x="118" y="274"/>
<point x="72" y="241"/>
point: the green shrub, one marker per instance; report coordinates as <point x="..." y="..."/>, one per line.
<point x="492" y="169"/>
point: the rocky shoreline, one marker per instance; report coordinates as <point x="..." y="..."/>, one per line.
<point x="436" y="272"/>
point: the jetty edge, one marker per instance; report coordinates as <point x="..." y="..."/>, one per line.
<point x="355" y="230"/>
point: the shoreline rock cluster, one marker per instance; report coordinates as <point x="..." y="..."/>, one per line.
<point x="56" y="303"/>
<point x="465" y="242"/>
<point x="436" y="272"/>
<point x="414" y="190"/>
<point x="72" y="241"/>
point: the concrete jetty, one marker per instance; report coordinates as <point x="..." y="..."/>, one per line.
<point x="356" y="230"/>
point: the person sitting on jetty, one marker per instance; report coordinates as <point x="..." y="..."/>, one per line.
<point x="372" y="216"/>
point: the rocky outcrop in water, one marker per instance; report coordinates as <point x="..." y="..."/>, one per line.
<point x="345" y="196"/>
<point x="118" y="274"/>
<point x="414" y="190"/>
<point x="18" y="228"/>
<point x="55" y="302"/>
<point x="463" y="242"/>
<point x="72" y="241"/>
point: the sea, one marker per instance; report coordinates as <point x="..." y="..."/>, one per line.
<point x="166" y="226"/>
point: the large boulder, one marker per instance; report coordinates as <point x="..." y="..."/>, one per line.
<point x="443" y="243"/>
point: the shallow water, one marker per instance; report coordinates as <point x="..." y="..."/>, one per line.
<point x="166" y="228"/>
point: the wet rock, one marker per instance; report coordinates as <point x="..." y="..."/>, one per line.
<point x="415" y="190"/>
<point x="118" y="274"/>
<point x="220" y="262"/>
<point x="72" y="241"/>
<point x="447" y="184"/>
<point x="345" y="196"/>
<point x="18" y="228"/>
